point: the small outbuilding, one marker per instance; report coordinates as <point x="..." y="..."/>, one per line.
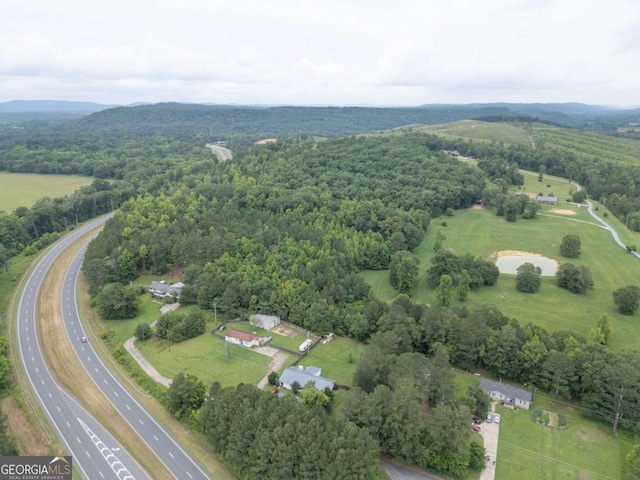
<point x="239" y="337"/>
<point x="510" y="395"/>
<point x="546" y="199"/>
<point x="303" y="376"/>
<point x="266" y="322"/>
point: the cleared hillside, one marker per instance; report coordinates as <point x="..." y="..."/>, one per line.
<point x="507" y="133"/>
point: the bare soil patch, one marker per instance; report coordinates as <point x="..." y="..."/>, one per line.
<point x="562" y="211"/>
<point x="285" y="332"/>
<point x="264" y="141"/>
<point x="514" y="253"/>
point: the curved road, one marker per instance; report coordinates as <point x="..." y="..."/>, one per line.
<point x="96" y="454"/>
<point x="177" y="460"/>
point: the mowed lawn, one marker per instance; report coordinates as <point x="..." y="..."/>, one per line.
<point x="207" y="358"/>
<point x="584" y="450"/>
<point x="338" y="359"/>
<point x="482" y="233"/>
<point x="23" y="189"/>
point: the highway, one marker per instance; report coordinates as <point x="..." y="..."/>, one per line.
<point x="96" y="454"/>
<point x="222" y="152"/>
<point x="177" y="460"/>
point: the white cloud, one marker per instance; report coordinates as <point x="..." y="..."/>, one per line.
<point x="307" y="52"/>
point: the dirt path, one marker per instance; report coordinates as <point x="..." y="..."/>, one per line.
<point x="149" y="369"/>
<point x="278" y="360"/>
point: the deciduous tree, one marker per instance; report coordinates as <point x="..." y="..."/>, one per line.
<point x="627" y="299"/>
<point x="570" y="246"/>
<point x="528" y="278"/>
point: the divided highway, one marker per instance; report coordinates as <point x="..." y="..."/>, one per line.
<point x="95" y="452"/>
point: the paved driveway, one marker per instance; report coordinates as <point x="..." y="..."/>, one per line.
<point x="398" y="472"/>
<point x="490" y="432"/>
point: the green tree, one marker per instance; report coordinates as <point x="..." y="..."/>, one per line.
<point x="403" y="270"/>
<point x="440" y="377"/>
<point x="600" y="332"/>
<point x="511" y="209"/>
<point x="631" y="467"/>
<point x="570" y="246"/>
<point x="5" y="366"/>
<point x="528" y="278"/>
<point x="464" y="284"/>
<point x="477" y="455"/>
<point x="143" y="331"/>
<point x="478" y="400"/>
<point x="312" y="397"/>
<point x="444" y="292"/>
<point x="531" y="210"/>
<point x="4" y="258"/>
<point x="617" y="391"/>
<point x="185" y="394"/>
<point x="117" y="302"/>
<point x="274" y="378"/>
<point x="126" y="267"/>
<point x="627" y="299"/>
<point x="558" y="373"/>
<point x="573" y="278"/>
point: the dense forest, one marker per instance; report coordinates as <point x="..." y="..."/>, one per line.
<point x="284" y="228"/>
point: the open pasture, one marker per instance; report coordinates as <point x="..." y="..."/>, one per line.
<point x="23" y="189"/>
<point x="482" y="233"/>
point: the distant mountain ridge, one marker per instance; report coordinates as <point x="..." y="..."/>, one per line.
<point x="51" y="106"/>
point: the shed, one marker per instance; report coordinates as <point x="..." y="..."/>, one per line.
<point x="267" y="322"/>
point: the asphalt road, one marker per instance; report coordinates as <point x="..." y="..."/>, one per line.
<point x="96" y="454"/>
<point x="177" y="460"/>
<point x="398" y="472"/>
<point x="222" y="152"/>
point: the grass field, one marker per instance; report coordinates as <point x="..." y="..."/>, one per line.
<point x="23" y="189"/>
<point x="206" y="357"/>
<point x="482" y="233"/>
<point x="584" y="450"/>
<point x="334" y="359"/>
<point x="506" y="133"/>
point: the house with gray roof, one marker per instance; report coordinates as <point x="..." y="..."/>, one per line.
<point x="303" y="376"/>
<point x="162" y="289"/>
<point x="510" y="395"/>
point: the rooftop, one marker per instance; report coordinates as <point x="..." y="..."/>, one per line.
<point x="243" y="336"/>
<point x="507" y="390"/>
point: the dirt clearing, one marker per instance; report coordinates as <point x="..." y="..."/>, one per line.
<point x="514" y="253"/>
<point x="562" y="211"/>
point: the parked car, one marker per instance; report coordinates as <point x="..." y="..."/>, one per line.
<point x="489" y="418"/>
<point x="476" y="427"/>
<point x="496" y="418"/>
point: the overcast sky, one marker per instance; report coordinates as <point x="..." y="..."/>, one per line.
<point x="338" y="52"/>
